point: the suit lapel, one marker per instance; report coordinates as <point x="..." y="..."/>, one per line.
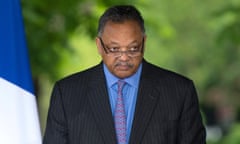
<point x="100" y="106"/>
<point x="146" y="102"/>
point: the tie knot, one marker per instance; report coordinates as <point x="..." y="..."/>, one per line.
<point x="120" y="85"/>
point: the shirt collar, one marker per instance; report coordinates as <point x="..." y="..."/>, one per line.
<point x="132" y="80"/>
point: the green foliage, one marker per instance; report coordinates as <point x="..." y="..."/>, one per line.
<point x="233" y="137"/>
<point x="48" y="25"/>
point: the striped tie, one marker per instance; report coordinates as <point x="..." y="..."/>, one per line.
<point x="120" y="117"/>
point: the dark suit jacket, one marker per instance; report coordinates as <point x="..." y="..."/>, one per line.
<point x="167" y="110"/>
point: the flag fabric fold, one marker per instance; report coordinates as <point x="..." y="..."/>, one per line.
<point x="19" y="122"/>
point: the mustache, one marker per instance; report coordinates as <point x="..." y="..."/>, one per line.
<point x="123" y="64"/>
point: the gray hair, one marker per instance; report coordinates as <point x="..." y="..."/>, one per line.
<point x="119" y="14"/>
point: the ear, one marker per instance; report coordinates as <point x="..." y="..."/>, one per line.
<point x="99" y="46"/>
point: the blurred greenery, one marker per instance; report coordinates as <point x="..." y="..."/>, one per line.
<point x="199" y="39"/>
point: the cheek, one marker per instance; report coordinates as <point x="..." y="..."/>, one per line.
<point x="137" y="61"/>
<point x="108" y="61"/>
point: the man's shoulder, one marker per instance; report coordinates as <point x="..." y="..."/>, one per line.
<point x="163" y="74"/>
<point x="84" y="75"/>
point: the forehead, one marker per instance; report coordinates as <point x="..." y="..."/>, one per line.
<point x="122" y="30"/>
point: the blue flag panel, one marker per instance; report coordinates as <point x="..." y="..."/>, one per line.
<point x="14" y="64"/>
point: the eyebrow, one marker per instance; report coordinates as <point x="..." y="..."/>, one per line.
<point x="116" y="43"/>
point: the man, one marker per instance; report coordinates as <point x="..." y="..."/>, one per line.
<point x="124" y="99"/>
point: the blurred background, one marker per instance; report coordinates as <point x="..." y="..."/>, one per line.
<point x="197" y="38"/>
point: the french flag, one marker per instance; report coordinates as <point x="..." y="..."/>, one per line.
<point x="19" y="122"/>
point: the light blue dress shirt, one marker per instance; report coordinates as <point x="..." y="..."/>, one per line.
<point x="130" y="90"/>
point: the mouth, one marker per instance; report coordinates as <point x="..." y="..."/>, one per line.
<point x="123" y="66"/>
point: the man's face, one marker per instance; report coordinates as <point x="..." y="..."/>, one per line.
<point x="123" y="37"/>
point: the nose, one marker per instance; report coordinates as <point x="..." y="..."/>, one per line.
<point x="124" y="55"/>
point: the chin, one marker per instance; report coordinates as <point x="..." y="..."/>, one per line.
<point x="122" y="76"/>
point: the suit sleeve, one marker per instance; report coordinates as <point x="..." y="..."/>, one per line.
<point x="191" y="130"/>
<point x="56" y="128"/>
